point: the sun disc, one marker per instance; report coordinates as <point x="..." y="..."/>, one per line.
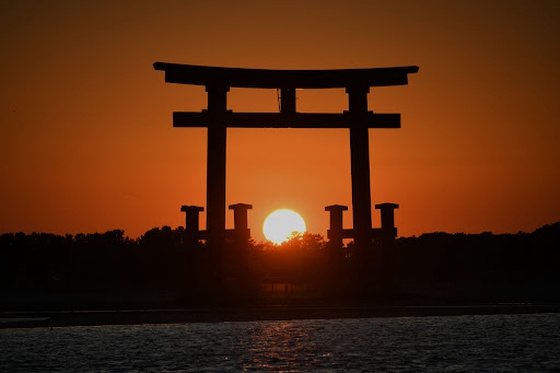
<point x="281" y="224"/>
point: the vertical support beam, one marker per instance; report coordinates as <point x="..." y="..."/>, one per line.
<point x="359" y="158"/>
<point x="240" y="226"/>
<point x="287" y="100"/>
<point x="191" y="224"/>
<point x="335" y="231"/>
<point x="216" y="169"/>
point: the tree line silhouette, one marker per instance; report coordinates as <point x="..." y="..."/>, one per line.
<point x="111" y="270"/>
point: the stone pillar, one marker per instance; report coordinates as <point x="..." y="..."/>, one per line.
<point x="191" y="224"/>
<point x="359" y="167"/>
<point x="216" y="168"/>
<point x="240" y="227"/>
<point x="335" y="231"/>
<point x="388" y="229"/>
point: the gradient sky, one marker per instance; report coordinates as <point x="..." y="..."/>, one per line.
<point x="87" y="143"/>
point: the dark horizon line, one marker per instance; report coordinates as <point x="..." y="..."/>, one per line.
<point x="307" y="232"/>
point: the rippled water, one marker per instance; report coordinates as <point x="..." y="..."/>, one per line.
<point x="498" y="343"/>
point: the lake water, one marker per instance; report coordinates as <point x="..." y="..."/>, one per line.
<point x="497" y="343"/>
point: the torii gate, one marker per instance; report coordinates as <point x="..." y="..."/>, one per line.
<point x="218" y="81"/>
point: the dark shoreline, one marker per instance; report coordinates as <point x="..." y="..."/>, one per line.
<point x="47" y="319"/>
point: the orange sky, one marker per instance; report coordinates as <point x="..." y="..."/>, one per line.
<point x="87" y="143"/>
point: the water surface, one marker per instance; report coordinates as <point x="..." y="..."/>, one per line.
<point x="496" y="343"/>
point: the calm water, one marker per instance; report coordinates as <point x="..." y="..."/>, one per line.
<point x="498" y="343"/>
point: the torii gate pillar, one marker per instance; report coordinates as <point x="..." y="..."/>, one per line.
<point x="359" y="167"/>
<point x="216" y="167"/>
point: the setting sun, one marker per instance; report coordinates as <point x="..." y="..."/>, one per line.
<point x="280" y="225"/>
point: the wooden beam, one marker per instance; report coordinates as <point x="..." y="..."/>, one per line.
<point x="216" y="169"/>
<point x="286" y="120"/>
<point x="288" y="100"/>
<point x="359" y="167"/>
<point x="263" y="78"/>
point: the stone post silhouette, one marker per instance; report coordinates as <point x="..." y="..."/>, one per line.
<point x="388" y="229"/>
<point x="335" y="233"/>
<point x="191" y="224"/>
<point x="240" y="227"/>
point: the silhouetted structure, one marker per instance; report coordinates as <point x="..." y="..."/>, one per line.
<point x="335" y="233"/>
<point x="388" y="230"/>
<point x="218" y="81"/>
<point x="191" y="224"/>
<point x="241" y="230"/>
<point x="386" y="234"/>
<point x="240" y="233"/>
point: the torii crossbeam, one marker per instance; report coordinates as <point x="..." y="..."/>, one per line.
<point x="218" y="81"/>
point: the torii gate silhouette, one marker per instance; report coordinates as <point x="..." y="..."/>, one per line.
<point x="218" y="81"/>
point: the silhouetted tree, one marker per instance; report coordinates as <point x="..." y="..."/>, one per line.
<point x="434" y="267"/>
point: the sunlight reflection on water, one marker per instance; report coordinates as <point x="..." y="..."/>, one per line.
<point x="498" y="343"/>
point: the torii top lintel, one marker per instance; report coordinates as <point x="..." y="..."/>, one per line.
<point x="263" y="78"/>
<point x="219" y="80"/>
